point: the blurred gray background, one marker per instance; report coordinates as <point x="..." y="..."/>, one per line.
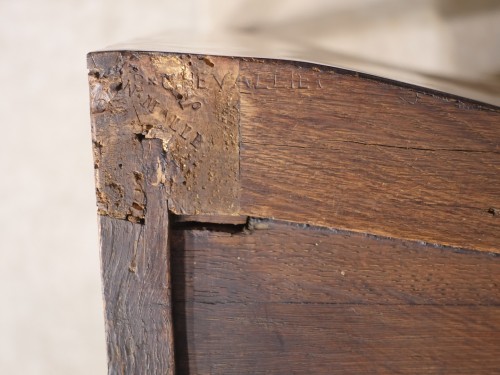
<point x="51" y="319"/>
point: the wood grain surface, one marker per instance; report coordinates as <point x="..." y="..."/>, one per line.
<point x="332" y="148"/>
<point x="190" y="105"/>
<point x="136" y="285"/>
<point x="291" y="299"/>
<point x="406" y="283"/>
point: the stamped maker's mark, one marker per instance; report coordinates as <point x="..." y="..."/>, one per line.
<point x="163" y="114"/>
<point x="177" y="115"/>
<point x="282" y="80"/>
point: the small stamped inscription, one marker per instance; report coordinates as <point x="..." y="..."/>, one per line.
<point x="282" y="80"/>
<point x="190" y="104"/>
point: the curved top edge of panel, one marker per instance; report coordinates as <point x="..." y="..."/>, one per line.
<point x="262" y="46"/>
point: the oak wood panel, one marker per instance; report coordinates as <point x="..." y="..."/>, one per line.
<point x="329" y="339"/>
<point x="336" y="149"/>
<point x="165" y="136"/>
<point x="136" y="283"/>
<point x="318" y="145"/>
<point x="285" y="298"/>
<point x="248" y="42"/>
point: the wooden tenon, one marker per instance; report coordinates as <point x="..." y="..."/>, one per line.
<point x="265" y="216"/>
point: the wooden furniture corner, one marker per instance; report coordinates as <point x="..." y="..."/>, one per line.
<point x="263" y="216"/>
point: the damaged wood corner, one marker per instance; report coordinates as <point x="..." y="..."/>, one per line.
<point x="186" y="108"/>
<point x="165" y="132"/>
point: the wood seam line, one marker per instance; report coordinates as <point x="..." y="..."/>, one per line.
<point x="331" y="148"/>
<point x="218" y="161"/>
<point x="248" y="224"/>
<point x="169" y="136"/>
<point x="165" y="130"/>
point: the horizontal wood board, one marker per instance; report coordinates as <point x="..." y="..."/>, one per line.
<point x="220" y="139"/>
<point x="290" y="299"/>
<point x="333" y="148"/>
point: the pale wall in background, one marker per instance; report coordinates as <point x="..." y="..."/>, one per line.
<point x="51" y="318"/>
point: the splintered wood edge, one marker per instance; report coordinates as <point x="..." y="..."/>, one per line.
<point x="165" y="139"/>
<point x="190" y="105"/>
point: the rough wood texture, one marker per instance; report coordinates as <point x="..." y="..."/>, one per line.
<point x="188" y="103"/>
<point x="331" y="148"/>
<point x="318" y="145"/>
<point x="165" y="135"/>
<point x="292" y="299"/>
<point x="216" y="140"/>
<point x="136" y="277"/>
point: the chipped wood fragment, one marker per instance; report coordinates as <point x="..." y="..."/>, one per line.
<point x="190" y="104"/>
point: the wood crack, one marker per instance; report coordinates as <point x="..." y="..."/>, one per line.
<point x="339" y="304"/>
<point x="374" y="145"/>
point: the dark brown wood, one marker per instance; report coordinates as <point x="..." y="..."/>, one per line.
<point x="271" y="44"/>
<point x="137" y="293"/>
<point x="292" y="299"/>
<point x="215" y="140"/>
<point x="336" y="149"/>
<point x="214" y="219"/>
<point x="165" y="135"/>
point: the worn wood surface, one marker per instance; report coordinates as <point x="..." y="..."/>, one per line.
<point x="331" y="148"/>
<point x="165" y="136"/>
<point x="190" y="105"/>
<point x="300" y="44"/>
<point x="214" y="140"/>
<point x="136" y="283"/>
<point x="289" y="299"/>
<point x="318" y="145"/>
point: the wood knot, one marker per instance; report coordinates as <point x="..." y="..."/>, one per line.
<point x="494" y="211"/>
